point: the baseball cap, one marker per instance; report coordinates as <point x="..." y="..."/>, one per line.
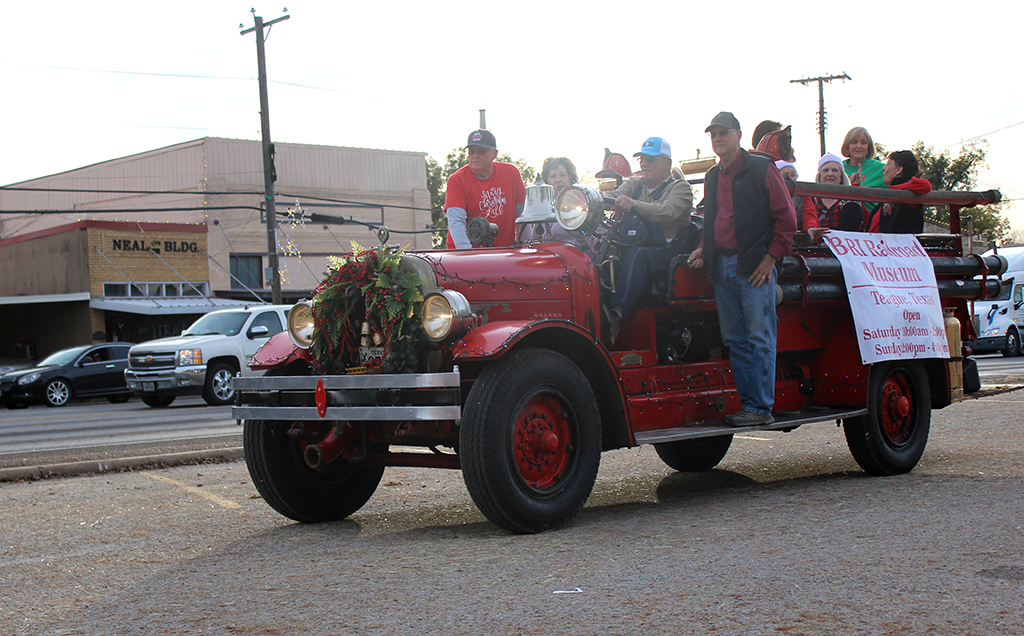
<point x="653" y="147"/>
<point x="724" y="119"/>
<point x="482" y="138"/>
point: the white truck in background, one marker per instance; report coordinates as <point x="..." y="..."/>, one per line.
<point x="999" y="321"/>
<point x="205" y="357"/>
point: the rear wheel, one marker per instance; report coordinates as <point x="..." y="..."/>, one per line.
<point x="218" y="391"/>
<point x="157" y="401"/>
<point x="530" y="441"/>
<point x="58" y="392"/>
<point x="1012" y="347"/>
<point x="890" y="439"/>
<point x="295" y="490"/>
<point x="689" y="455"/>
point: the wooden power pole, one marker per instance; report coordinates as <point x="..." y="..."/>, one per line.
<point x="268" y="155"/>
<point x="821" y="99"/>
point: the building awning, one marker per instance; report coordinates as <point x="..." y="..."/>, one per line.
<point x="167" y="306"/>
<point x="45" y="298"/>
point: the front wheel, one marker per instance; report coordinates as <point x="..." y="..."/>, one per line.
<point x="294" y="489"/>
<point x="691" y="455"/>
<point x="218" y="390"/>
<point x="1012" y="347"/>
<point x="58" y="392"/>
<point x="530" y="441"/>
<point x="890" y="439"/>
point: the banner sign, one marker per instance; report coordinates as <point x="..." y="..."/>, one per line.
<point x="895" y="302"/>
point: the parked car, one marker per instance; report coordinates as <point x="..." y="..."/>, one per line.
<point x="78" y="372"/>
<point x="205" y="357"/>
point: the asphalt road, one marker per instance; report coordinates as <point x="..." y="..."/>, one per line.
<point x="787" y="536"/>
<point x="94" y="435"/>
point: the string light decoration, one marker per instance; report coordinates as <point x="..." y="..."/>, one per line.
<point x="367" y="298"/>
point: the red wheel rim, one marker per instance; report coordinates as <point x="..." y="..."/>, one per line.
<point x="897" y="407"/>
<point x="542" y="442"/>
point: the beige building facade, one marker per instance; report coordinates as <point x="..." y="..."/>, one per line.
<point x="136" y="248"/>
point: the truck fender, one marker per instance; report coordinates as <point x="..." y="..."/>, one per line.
<point x="493" y="339"/>
<point x="277" y="352"/>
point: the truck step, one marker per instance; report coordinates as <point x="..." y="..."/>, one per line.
<point x="783" y="420"/>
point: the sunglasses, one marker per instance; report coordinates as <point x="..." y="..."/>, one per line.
<point x="721" y="132"/>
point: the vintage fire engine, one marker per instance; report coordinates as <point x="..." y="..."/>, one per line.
<point x="507" y="376"/>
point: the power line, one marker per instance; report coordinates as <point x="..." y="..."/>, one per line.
<point x="981" y="136"/>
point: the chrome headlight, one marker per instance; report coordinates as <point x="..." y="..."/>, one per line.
<point x="190" y="357"/>
<point x="29" y="379"/>
<point x="445" y="315"/>
<point x="301" y="325"/>
<point x="579" y="208"/>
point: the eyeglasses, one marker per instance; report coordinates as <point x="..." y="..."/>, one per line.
<point x="648" y="158"/>
<point x="721" y="132"/>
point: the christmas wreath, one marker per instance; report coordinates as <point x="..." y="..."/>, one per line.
<point x="366" y="300"/>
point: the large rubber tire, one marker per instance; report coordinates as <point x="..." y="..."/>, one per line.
<point x="691" y="455"/>
<point x="157" y="401"/>
<point x="118" y="399"/>
<point x="530" y="441"/>
<point x="294" y="489"/>
<point x="218" y="391"/>
<point x="891" y="438"/>
<point x="1012" y="347"/>
<point x="57" y="392"/>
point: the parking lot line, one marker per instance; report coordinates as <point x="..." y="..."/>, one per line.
<point x="220" y="501"/>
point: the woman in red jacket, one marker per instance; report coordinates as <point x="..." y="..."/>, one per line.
<point x="901" y="173"/>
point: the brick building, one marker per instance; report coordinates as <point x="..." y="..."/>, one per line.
<point x="138" y="247"/>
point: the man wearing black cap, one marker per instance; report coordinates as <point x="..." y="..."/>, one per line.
<point x="663" y="199"/>
<point x="749" y="222"/>
<point x="485" y="188"/>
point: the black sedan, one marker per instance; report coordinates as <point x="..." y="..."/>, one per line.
<point x="86" y="371"/>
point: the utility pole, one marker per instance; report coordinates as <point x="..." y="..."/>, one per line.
<point x="269" y="174"/>
<point x="483" y="119"/>
<point x="821" y="99"/>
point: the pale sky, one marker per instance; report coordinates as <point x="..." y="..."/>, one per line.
<point x="88" y="82"/>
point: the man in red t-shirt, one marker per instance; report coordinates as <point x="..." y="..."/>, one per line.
<point x="485" y="188"/>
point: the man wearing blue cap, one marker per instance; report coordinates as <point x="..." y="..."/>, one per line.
<point x="663" y="199"/>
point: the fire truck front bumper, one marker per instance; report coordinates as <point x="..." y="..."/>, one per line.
<point x="378" y="397"/>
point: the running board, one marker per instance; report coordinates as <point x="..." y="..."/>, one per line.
<point x="782" y="421"/>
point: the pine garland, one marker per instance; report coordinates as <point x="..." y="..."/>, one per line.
<point x="367" y="286"/>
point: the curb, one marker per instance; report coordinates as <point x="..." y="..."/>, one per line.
<point x="45" y="471"/>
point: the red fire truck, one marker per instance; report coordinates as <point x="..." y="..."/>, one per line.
<point x="494" y="361"/>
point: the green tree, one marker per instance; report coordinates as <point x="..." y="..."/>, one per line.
<point x="960" y="173"/>
<point x="437" y="183"/>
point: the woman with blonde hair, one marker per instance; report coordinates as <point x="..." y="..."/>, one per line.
<point x="861" y="165"/>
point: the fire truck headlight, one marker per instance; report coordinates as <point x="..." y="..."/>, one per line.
<point x="300" y="324"/>
<point x="446" y="316"/>
<point x="578" y="208"/>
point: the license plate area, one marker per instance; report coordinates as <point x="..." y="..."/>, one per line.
<point x="367" y="354"/>
<point x="148" y="386"/>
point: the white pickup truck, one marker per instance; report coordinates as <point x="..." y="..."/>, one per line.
<point x="204" y="358"/>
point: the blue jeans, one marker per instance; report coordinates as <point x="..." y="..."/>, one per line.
<point x="747" y="317"/>
<point x="639" y="264"/>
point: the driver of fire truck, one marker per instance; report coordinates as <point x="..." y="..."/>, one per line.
<point x="486" y="188"/>
<point x="666" y="201"/>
